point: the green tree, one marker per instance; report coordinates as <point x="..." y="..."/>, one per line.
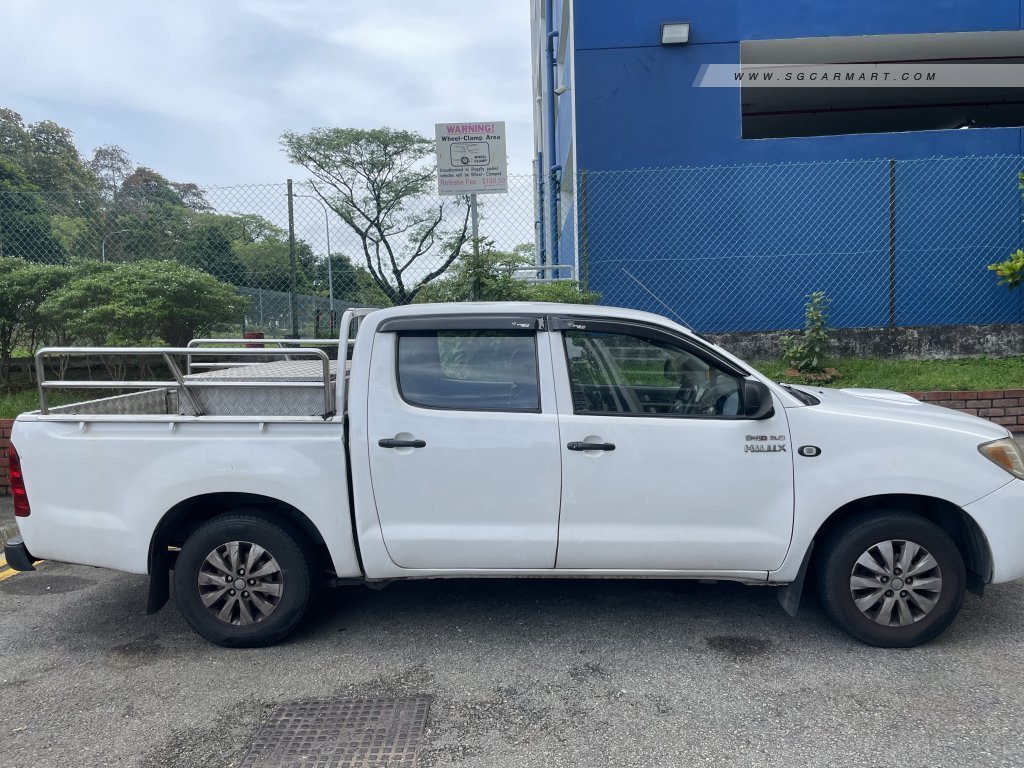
<point x="77" y="236"/>
<point x="15" y="144"/>
<point x="141" y="302"/>
<point x="144" y="189"/>
<point x="204" y="244"/>
<point x="268" y="265"/>
<point x="349" y="281"/>
<point x="111" y="165"/>
<point x="25" y="230"/>
<point x="562" y="292"/>
<point x="485" y="276"/>
<point x="24" y="286"/>
<point x="379" y="183"/>
<point x="491" y="275"/>
<point x="54" y="165"/>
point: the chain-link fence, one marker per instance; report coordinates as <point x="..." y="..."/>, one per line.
<point x="723" y="248"/>
<point x="738" y="248"/>
<point x="286" y="248"/>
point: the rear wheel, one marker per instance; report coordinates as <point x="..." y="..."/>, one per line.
<point x="242" y="581"/>
<point x="894" y="580"/>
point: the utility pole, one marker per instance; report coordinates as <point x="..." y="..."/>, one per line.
<point x="291" y="260"/>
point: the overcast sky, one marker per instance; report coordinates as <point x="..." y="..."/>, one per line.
<point x="201" y="90"/>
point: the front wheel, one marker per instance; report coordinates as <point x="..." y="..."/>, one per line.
<point x="894" y="580"/>
<point x="242" y="581"/>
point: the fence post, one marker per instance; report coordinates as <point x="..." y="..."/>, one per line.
<point x="554" y="192"/>
<point x="584" y="265"/>
<point x="892" y="242"/>
<point x="474" y="285"/>
<point x="540" y="225"/>
<point x="291" y="259"/>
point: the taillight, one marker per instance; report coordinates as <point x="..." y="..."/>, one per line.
<point x="21" y="507"/>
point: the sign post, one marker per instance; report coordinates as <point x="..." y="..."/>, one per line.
<point x="470" y="161"/>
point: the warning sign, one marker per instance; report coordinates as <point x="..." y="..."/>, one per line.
<point x="471" y="158"/>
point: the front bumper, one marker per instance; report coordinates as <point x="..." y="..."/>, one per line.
<point x="18" y="556"/>
<point x="1000" y="515"/>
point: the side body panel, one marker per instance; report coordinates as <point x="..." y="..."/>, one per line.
<point x="881" y="449"/>
<point x="98" y="488"/>
<point x="484" y="490"/>
<point x="677" y="493"/>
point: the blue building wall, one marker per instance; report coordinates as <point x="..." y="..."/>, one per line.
<point x="731" y="233"/>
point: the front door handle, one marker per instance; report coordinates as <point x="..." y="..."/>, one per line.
<point x="390" y="442"/>
<point x="591" y="446"/>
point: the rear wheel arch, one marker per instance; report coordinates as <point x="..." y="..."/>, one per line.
<point x="187" y="516"/>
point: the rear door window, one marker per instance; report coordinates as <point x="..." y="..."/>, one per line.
<point x="493" y="370"/>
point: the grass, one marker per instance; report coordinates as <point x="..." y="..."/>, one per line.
<point x="18" y="401"/>
<point x="976" y="373"/>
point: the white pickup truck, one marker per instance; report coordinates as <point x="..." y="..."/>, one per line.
<point x="497" y="440"/>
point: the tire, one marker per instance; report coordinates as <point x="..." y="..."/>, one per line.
<point x="230" y="613"/>
<point x="861" y="581"/>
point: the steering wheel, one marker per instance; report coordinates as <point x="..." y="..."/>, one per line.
<point x="685" y="401"/>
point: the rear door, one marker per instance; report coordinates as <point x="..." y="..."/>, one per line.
<point x="464" y="442"/>
<point x="660" y="470"/>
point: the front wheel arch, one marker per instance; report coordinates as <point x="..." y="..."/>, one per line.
<point x="865" y="585"/>
<point x="954" y="521"/>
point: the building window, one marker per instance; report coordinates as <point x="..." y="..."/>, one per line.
<point x="803" y="109"/>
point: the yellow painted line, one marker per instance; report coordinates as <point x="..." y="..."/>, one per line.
<point x="3" y="561"/>
<point x="7" y="572"/>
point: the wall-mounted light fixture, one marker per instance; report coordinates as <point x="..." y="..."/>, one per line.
<point x="675" y="33"/>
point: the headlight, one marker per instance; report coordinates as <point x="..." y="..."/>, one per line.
<point x="1006" y="453"/>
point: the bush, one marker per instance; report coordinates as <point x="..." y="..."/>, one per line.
<point x="562" y="292"/>
<point x="806" y="353"/>
<point x="1011" y="271"/>
<point x="24" y="287"/>
<point x="490" y="276"/>
<point x="139" y="303"/>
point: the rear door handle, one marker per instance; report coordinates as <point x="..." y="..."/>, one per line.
<point x="390" y="442"/>
<point x="591" y="446"/>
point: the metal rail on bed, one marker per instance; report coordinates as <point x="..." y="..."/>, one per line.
<point x="259" y="343"/>
<point x="184" y="385"/>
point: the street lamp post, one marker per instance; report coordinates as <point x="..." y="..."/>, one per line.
<point x="103" y="243"/>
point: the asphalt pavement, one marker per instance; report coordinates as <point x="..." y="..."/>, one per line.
<point x="520" y="673"/>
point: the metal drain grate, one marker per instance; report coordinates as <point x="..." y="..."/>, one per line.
<point x="346" y="733"/>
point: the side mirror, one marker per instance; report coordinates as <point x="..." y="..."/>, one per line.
<point x="757" y="400"/>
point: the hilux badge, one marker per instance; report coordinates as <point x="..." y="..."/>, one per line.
<point x="765" y="444"/>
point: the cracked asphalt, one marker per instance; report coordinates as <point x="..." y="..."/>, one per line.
<point x="520" y="672"/>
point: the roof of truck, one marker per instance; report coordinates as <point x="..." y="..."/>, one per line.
<point x="526" y="308"/>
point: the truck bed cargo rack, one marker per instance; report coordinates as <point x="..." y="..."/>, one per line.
<point x="242" y="389"/>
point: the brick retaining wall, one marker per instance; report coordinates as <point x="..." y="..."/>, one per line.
<point x="5" y="442"/>
<point x="1003" y="406"/>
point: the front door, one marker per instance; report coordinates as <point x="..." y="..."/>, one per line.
<point x="463" y="440"/>
<point x="660" y="470"/>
